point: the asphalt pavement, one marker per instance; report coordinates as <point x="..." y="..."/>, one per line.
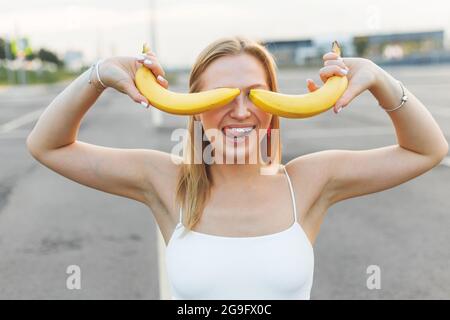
<point x="48" y="223"/>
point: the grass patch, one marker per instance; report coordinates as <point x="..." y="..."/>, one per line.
<point x="45" y="76"/>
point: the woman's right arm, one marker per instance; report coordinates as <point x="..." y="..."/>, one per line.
<point x="131" y="173"/>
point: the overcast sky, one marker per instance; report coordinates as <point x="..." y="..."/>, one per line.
<point x="102" y="28"/>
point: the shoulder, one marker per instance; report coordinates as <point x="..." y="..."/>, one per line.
<point x="312" y="171"/>
<point x="162" y="163"/>
<point x="316" y="164"/>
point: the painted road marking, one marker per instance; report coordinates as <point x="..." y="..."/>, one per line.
<point x="8" y="127"/>
<point x="21" y="121"/>
<point x="445" y="162"/>
<point x="16" y="134"/>
<point x="164" y="288"/>
<point x="339" y="132"/>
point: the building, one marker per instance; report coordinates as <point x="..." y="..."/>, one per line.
<point x="400" y="46"/>
<point x="291" y="52"/>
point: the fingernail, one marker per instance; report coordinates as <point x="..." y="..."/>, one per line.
<point x="343" y="71"/>
<point x="145" y="104"/>
<point x="148" y="62"/>
<point x="339" y="109"/>
<point x="160" y="78"/>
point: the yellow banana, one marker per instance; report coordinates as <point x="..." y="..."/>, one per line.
<point x="180" y="103"/>
<point x="302" y="106"/>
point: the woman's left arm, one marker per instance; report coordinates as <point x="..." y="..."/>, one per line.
<point x="421" y="143"/>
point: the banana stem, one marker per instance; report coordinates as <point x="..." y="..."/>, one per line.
<point x="145" y="47"/>
<point x="336" y="48"/>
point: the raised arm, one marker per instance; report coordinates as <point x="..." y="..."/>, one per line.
<point x="421" y="143"/>
<point x="53" y="141"/>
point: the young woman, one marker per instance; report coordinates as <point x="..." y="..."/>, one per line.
<point x="231" y="231"/>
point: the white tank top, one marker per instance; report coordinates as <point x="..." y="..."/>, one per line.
<point x="273" y="266"/>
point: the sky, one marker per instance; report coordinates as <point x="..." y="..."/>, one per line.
<point x="102" y="28"/>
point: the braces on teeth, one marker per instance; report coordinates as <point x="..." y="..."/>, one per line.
<point x="242" y="129"/>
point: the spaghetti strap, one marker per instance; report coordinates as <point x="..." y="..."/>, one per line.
<point x="292" y="193"/>
<point x="291" y="266"/>
<point x="181" y="215"/>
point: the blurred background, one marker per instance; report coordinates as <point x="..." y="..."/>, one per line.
<point x="48" y="223"/>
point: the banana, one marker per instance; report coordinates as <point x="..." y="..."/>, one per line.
<point x="302" y="106"/>
<point x="180" y="103"/>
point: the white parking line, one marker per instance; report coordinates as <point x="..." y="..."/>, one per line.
<point x="445" y="162"/>
<point x="338" y="132"/>
<point x="164" y="288"/>
<point x="303" y="134"/>
<point x="16" y="134"/>
<point x="21" y="121"/>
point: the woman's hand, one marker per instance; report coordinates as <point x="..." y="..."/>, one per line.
<point x="361" y="73"/>
<point x="119" y="73"/>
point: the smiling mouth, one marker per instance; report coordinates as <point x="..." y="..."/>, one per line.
<point x="237" y="133"/>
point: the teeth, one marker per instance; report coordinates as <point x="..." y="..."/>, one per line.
<point x="238" y="132"/>
<point x="248" y="129"/>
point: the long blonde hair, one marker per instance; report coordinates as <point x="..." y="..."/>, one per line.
<point x="194" y="181"/>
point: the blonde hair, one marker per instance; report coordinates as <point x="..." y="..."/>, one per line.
<point x="194" y="181"/>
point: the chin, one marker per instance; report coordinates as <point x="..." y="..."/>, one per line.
<point x="233" y="147"/>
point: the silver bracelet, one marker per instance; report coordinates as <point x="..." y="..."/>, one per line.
<point x="95" y="66"/>
<point x="403" y="100"/>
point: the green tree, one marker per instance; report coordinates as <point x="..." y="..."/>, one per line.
<point x="2" y="49"/>
<point x="48" y="56"/>
<point x="3" y="45"/>
<point x="30" y="56"/>
<point x="361" y="44"/>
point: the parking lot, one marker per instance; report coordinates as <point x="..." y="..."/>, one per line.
<point x="48" y="222"/>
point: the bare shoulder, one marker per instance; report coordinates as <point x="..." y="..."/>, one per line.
<point x="314" y="166"/>
<point x="312" y="172"/>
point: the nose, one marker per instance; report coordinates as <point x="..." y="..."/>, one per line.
<point x="240" y="107"/>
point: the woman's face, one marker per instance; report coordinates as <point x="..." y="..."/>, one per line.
<point x="234" y="128"/>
